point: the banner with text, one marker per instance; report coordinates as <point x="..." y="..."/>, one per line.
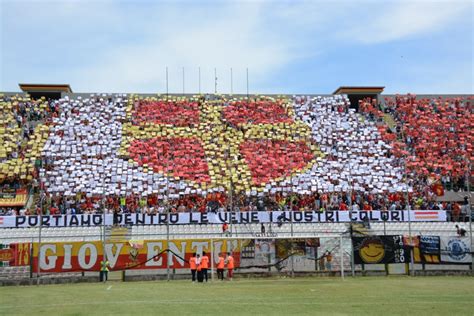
<point x="87" y="256"/>
<point x="455" y="249"/>
<point x="427" y="250"/>
<point x="15" y="254"/>
<point x="219" y="218"/>
<point x="380" y="249"/>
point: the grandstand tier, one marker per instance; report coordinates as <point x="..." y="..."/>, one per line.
<point x="143" y="154"/>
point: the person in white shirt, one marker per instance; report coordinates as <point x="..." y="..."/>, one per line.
<point x="355" y="207"/>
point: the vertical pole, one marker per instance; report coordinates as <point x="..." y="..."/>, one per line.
<point x="183" y="81"/>
<point x="212" y="260"/>
<point x="231" y="191"/>
<point x="231" y="206"/>
<point x="104" y="256"/>
<point x="342" y="257"/>
<point x="315" y="258"/>
<point x="39" y="235"/>
<point x="215" y="81"/>
<point x="199" y="79"/>
<point x="350" y="228"/>
<point x="412" y="265"/>
<point x="167" y="206"/>
<point x="231" y="82"/>
<point x="292" y="256"/>
<point x="468" y="185"/>
<point x="167" y="87"/>
<point x="39" y="253"/>
<point x="292" y="260"/>
<point x="39" y="240"/>
<point x="352" y="253"/>
<point x="167" y="243"/>
<point x="248" y="85"/>
<point x="31" y="258"/>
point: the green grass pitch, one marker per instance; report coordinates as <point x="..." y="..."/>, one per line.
<point x="401" y="295"/>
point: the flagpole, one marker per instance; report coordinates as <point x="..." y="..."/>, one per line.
<point x="167" y="90"/>
<point x="248" y="86"/>
<point x="231" y="82"/>
<point x="199" y="79"/>
<point x="215" y="81"/>
<point x="183" y="81"/>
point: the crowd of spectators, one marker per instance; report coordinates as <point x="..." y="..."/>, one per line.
<point x="431" y="143"/>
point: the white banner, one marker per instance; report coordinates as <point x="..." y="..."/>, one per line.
<point x="456" y="249"/>
<point x="219" y="218"/>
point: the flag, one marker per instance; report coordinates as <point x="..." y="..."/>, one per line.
<point x="426" y="215"/>
<point x="438" y="189"/>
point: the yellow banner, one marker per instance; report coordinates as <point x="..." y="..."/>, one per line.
<point x="134" y="254"/>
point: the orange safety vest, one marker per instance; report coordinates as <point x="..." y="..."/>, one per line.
<point x="205" y="262"/>
<point x="220" y="265"/>
<point x="192" y="263"/>
<point x="230" y="262"/>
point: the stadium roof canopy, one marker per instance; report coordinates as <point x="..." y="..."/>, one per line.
<point x="358" y="90"/>
<point x="29" y="87"/>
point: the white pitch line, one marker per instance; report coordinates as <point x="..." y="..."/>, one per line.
<point x="109" y="287"/>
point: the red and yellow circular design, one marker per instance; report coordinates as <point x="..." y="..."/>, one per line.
<point x="218" y="144"/>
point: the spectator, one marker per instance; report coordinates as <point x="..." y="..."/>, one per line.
<point x="460" y="231"/>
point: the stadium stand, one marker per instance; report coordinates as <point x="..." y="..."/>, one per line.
<point x="307" y="230"/>
<point x="197" y="153"/>
<point x="115" y="157"/>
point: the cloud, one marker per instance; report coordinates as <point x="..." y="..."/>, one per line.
<point x="404" y="19"/>
<point x="232" y="36"/>
<point x="288" y="46"/>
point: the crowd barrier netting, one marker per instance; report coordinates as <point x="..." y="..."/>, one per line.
<point x="155" y="257"/>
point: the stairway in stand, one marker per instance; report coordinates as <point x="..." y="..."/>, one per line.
<point x="118" y="234"/>
<point x="360" y="229"/>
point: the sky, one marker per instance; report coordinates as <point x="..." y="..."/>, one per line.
<point x="288" y="47"/>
